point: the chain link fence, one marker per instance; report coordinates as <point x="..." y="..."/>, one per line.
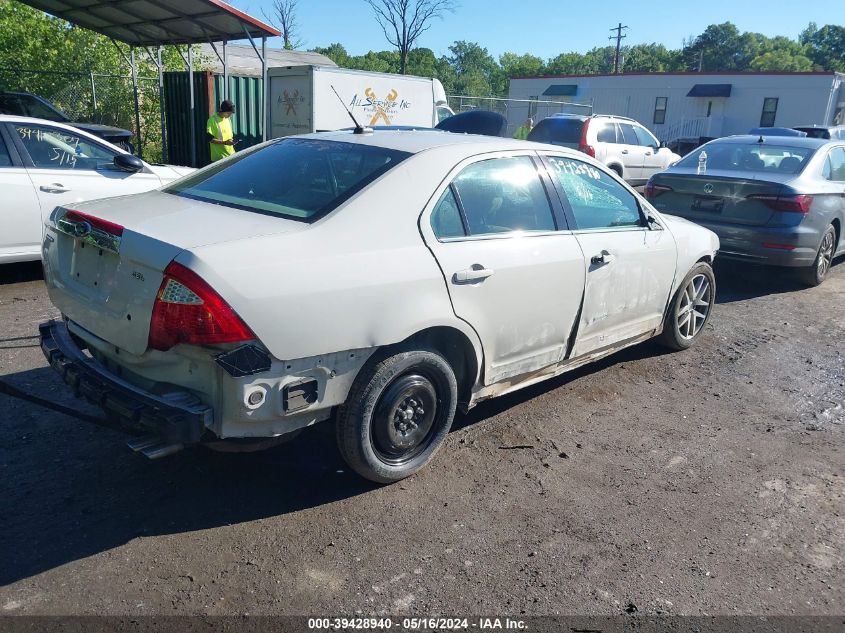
<point x="516" y="111"/>
<point x="95" y="98"/>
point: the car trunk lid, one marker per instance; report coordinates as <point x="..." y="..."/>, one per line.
<point x="717" y="197"/>
<point x="104" y="261"/>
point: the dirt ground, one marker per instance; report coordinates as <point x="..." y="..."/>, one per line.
<point x="703" y="482"/>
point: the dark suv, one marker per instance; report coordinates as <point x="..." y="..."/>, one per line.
<point x="27" y="104"/>
<point x="829" y="132"/>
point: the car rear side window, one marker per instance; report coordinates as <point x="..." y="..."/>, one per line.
<point x="296" y="178"/>
<point x="501" y="195"/>
<point x="446" y="218"/>
<point x="5" y="159"/>
<point x="597" y="200"/>
<point x="557" y="131"/>
<point x="606" y="133"/>
<point x="834" y="168"/>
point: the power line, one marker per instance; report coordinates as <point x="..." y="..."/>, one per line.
<point x="619" y="38"/>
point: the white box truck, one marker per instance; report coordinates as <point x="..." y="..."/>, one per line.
<point x="300" y="99"/>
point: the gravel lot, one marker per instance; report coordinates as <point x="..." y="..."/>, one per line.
<point x="703" y="482"/>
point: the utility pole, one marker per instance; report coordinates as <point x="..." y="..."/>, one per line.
<point x="619" y="38"/>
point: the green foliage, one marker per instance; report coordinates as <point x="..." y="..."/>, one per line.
<point x="825" y="46"/>
<point x="61" y="58"/>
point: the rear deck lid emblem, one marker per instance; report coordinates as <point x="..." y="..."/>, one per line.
<point x="708" y="188"/>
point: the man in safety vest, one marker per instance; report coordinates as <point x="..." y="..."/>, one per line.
<point x="219" y="128"/>
<point x="523" y="130"/>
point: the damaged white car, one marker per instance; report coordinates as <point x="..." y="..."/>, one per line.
<point x="381" y="279"/>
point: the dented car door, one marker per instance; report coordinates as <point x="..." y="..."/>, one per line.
<point x="630" y="262"/>
<point x="512" y="274"/>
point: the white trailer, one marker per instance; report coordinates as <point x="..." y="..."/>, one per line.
<point x="300" y="99"/>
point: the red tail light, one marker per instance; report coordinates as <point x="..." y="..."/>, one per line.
<point x="800" y="203"/>
<point x="188" y="310"/>
<point x="652" y="190"/>
<point x="589" y="150"/>
<point x="97" y="223"/>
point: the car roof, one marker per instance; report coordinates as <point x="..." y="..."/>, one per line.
<point x="416" y="141"/>
<point x="783" y="141"/>
<point x="816" y="126"/>
<point x="29" y="120"/>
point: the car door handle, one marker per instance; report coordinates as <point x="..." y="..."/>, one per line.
<point x="56" y="187"/>
<point x="648" y="153"/>
<point x="605" y="257"/>
<point x="624" y="151"/>
<point x="472" y="275"/>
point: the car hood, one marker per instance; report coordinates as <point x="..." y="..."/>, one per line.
<point x="168" y="173"/>
<point x="102" y="130"/>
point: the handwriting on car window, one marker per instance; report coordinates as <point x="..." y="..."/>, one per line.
<point x="576" y="168"/>
<point x="64" y="148"/>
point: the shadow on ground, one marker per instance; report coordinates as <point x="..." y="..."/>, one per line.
<point x="16" y="273"/>
<point x="75" y="490"/>
<point x="738" y="282"/>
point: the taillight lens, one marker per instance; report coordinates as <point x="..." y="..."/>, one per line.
<point x="653" y="190"/>
<point x="799" y="203"/>
<point x="97" y="223"/>
<point x="188" y="310"/>
<point x="583" y="146"/>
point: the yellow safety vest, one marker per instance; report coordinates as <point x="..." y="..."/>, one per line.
<point x="221" y="129"/>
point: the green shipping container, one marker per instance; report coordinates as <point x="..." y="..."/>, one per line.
<point x="245" y="92"/>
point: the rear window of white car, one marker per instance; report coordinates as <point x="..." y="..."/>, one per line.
<point x="756" y="157"/>
<point x="299" y="179"/>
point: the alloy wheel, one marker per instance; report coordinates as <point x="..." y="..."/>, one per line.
<point x="694" y="306"/>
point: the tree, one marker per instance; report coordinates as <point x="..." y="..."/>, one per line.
<point x="403" y="21"/>
<point x="335" y="52"/>
<point x="825" y="46"/>
<point x="475" y="69"/>
<point x="283" y="16"/>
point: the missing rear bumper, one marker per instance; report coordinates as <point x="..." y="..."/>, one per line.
<point x="173" y="420"/>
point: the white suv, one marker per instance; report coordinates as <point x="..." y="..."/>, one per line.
<point x="622" y="144"/>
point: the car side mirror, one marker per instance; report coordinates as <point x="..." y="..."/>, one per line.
<point x="653" y="224"/>
<point x="128" y="162"/>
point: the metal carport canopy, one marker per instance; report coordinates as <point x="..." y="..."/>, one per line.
<point x="158" y="22"/>
<point x="146" y="23"/>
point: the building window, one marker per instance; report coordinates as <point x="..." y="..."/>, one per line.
<point x="709" y="107"/>
<point x="660" y="110"/>
<point x="770" y="109"/>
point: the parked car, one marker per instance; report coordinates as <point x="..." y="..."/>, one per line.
<point x="776" y="131"/>
<point x="771" y="200"/>
<point x="45" y="164"/>
<point x="26" y="104"/>
<point x="829" y="132"/>
<point x="622" y="144"/>
<point x="387" y="277"/>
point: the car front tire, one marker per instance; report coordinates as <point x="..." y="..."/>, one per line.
<point x="817" y="273"/>
<point x="397" y="415"/>
<point x="690" y="308"/>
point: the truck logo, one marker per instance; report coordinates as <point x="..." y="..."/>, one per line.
<point x="708" y="188"/>
<point x="383" y="109"/>
<point x="290" y="101"/>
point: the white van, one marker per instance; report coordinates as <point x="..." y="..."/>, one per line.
<point x="301" y="100"/>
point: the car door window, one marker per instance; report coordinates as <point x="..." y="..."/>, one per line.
<point x="607" y="133"/>
<point x="53" y="148"/>
<point x="500" y="195"/>
<point x="629" y="134"/>
<point x="5" y="158"/>
<point x="446" y="218"/>
<point x="644" y="137"/>
<point x="834" y="168"/>
<point x="597" y="200"/>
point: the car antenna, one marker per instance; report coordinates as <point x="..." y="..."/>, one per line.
<point x="761" y="140"/>
<point x="359" y="129"/>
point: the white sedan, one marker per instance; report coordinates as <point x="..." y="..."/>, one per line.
<point x="44" y="164"/>
<point x="383" y="279"/>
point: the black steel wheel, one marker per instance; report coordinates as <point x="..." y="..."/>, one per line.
<point x="397" y="414"/>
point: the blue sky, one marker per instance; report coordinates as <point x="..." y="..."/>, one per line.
<point x="549" y="27"/>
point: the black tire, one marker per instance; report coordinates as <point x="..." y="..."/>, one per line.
<point x="370" y="432"/>
<point x="672" y="336"/>
<point x="817" y="273"/>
